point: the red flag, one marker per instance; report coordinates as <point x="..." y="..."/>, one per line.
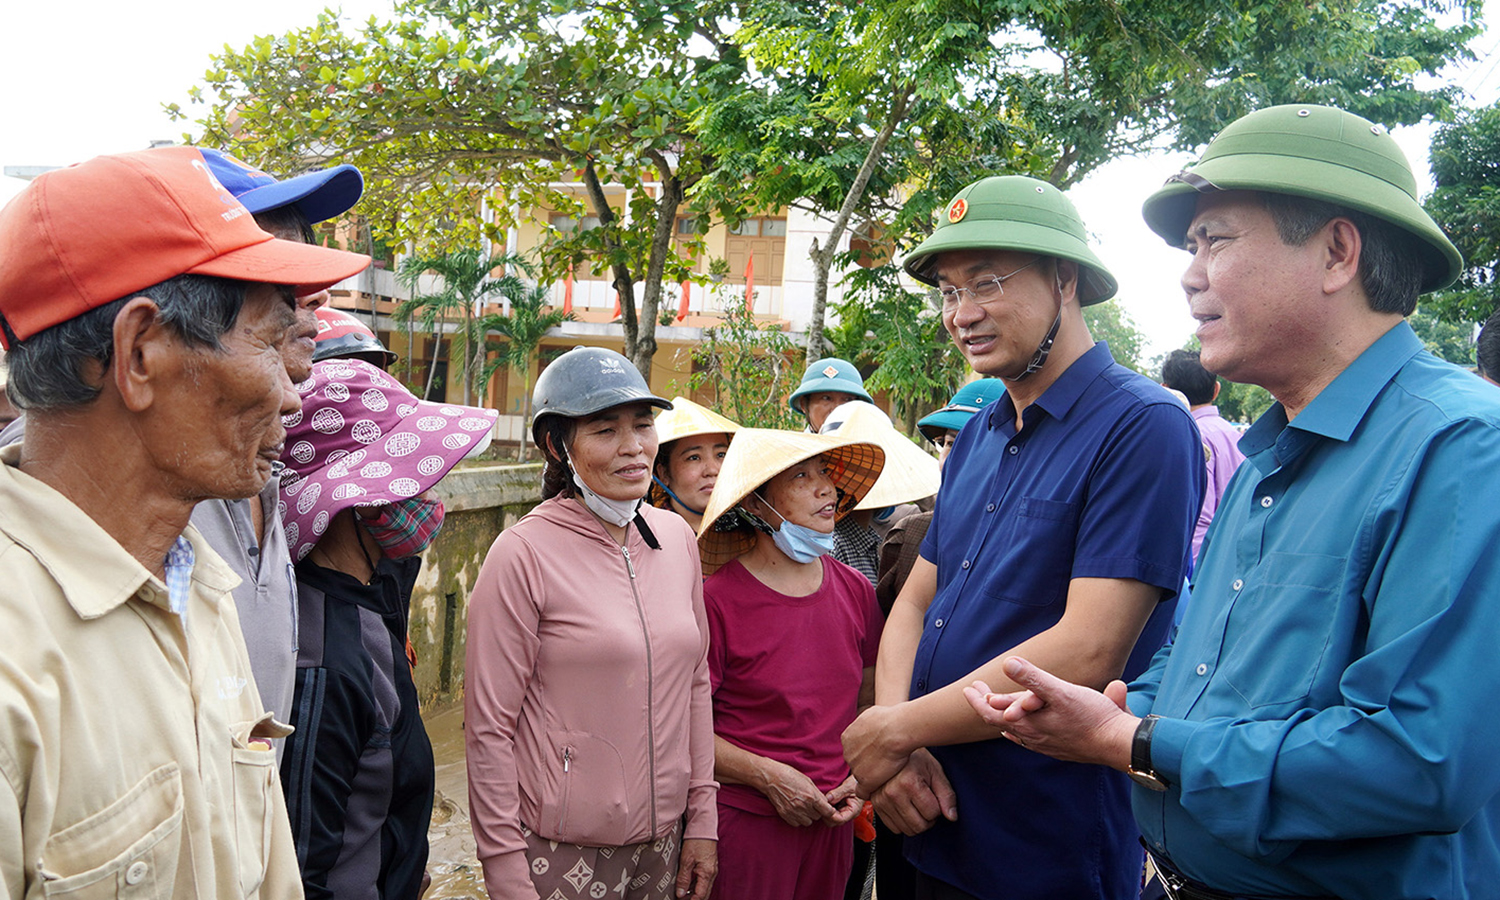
<point x="616" y="313"/>
<point x="750" y="282"/>
<point x="682" y="307"/>
<point x="568" y="294"/>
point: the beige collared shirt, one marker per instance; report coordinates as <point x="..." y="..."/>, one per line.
<point x="125" y="729"/>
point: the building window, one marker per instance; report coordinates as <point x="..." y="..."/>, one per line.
<point x="568" y="223"/>
<point x="762" y="239"/>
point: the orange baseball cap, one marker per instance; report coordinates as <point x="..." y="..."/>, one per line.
<point x="80" y="237"/>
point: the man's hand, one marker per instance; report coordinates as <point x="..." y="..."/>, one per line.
<point x="845" y="802"/>
<point x="1063" y="720"/>
<point x="696" y="868"/>
<point x="796" y="799"/>
<point x="912" y="801"/>
<point x="868" y="748"/>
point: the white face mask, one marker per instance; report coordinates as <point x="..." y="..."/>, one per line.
<point x="616" y="512"/>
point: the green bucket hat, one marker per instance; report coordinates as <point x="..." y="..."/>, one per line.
<point x="1309" y="151"/>
<point x="1014" y="212"/>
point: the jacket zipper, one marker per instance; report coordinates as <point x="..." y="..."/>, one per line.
<point x="650" y="688"/>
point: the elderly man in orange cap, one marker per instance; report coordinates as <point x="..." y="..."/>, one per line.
<point x="140" y="306"/>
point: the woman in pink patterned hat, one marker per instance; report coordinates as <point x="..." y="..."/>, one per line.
<point x="361" y="457"/>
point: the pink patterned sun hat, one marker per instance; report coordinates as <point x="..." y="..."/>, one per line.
<point x="361" y="439"/>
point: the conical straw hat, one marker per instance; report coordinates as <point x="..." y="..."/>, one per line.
<point x="757" y="455"/>
<point x="687" y="418"/>
<point x="684" y="419"/>
<point x="909" y="474"/>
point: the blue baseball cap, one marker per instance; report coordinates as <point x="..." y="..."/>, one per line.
<point x="966" y="403"/>
<point x="319" y="195"/>
<point x="836" y="375"/>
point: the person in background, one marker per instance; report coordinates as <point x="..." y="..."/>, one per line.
<point x="793" y="635"/>
<point x="342" y="336"/>
<point x="588" y="728"/>
<point x="1487" y="350"/>
<point x="692" y="441"/>
<point x="1322" y="727"/>
<point x="151" y="371"/>
<point x="826" y="385"/>
<point x="363" y="455"/>
<point x="1184" y="373"/>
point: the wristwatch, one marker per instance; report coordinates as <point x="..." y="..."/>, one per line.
<point x="1140" y="757"/>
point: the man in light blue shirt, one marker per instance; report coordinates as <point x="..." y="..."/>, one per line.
<point x="1324" y="724"/>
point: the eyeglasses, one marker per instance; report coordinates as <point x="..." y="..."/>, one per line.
<point x="986" y="290"/>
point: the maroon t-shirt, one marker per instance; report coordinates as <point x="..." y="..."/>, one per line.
<point x="785" y="671"/>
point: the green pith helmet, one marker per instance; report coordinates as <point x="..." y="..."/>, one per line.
<point x="1309" y="151"/>
<point x="833" y="375"/>
<point x="1014" y="212"/>
<point x="970" y="400"/>
<point x="586" y="380"/>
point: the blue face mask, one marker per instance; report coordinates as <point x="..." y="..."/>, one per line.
<point x="800" y="543"/>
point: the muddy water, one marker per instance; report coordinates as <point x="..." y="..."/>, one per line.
<point x="451" y="862"/>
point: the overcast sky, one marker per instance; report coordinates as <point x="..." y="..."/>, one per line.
<point x="90" y="77"/>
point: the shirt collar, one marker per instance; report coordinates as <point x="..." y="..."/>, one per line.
<point x="1063" y="393"/>
<point x="51" y="528"/>
<point x="1205" y="412"/>
<point x="1339" y="408"/>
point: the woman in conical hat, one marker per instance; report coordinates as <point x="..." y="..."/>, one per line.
<point x="692" y="442"/>
<point x="792" y="641"/>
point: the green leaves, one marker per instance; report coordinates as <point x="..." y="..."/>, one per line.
<point x="1465" y="160"/>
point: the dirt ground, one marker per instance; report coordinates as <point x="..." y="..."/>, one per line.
<point x="451" y="861"/>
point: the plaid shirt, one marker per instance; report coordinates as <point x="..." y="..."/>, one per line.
<point x="857" y="546"/>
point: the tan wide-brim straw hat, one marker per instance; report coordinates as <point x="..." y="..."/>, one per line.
<point x="685" y="419"/>
<point x="756" y="456"/>
<point x="910" y="473"/>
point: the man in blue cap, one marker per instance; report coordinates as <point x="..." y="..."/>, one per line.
<point x="249" y="533"/>
<point x="826" y="385"/>
<point x="1322" y="726"/>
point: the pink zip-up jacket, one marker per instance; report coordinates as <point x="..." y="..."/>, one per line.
<point x="587" y="714"/>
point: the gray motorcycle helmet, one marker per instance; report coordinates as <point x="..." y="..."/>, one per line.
<point x="586" y="380"/>
<point x="355" y="346"/>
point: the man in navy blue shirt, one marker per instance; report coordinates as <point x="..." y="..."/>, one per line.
<point x="1324" y="724"/>
<point x="1061" y="531"/>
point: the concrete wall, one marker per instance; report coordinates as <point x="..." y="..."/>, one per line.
<point x="480" y="502"/>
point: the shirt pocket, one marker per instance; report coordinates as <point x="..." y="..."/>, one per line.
<point x="1279" y="628"/>
<point x="129" y="849"/>
<point x="1042" y="541"/>
<point x="254" y="777"/>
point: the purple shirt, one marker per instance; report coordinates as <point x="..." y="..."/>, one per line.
<point x="1222" y="442"/>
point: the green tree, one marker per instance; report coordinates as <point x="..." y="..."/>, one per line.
<point x="1453" y="341"/>
<point x="523" y="328"/>
<point x="900" y="334"/>
<point x="877" y="112"/>
<point x="748" y="368"/>
<point x="1465" y="161"/>
<point x="464" y="283"/>
<point x="1243" y="402"/>
<point x="1109" y="322"/>
<point x="462" y="113"/>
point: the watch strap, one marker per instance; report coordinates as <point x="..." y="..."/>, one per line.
<point x="1140" y="756"/>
